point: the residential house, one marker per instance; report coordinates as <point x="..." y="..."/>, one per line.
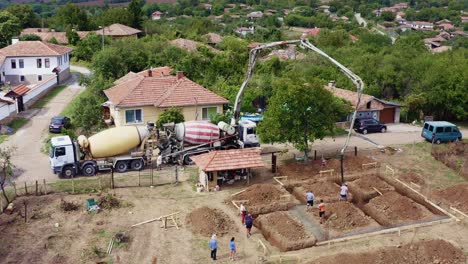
<point x="245" y="30"/>
<point x="311" y="32"/>
<point x="47" y="34"/>
<point x="30" y="62"/>
<point x="444" y="21"/>
<point x="255" y="15"/>
<point x="421" y="25"/>
<point x="212" y="39"/>
<point x="119" y="31"/>
<point x="446" y="27"/>
<point x="464" y="19"/>
<point x="369" y="107"/>
<point x="141" y="97"/>
<point x="270" y="12"/>
<point x="208" y="6"/>
<point x="324" y="8"/>
<point x="156" y="15"/>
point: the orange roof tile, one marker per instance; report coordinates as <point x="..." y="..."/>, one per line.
<point x="160" y="91"/>
<point x="233" y="159"/>
<point x="34" y="48"/>
<point x="349" y="96"/>
<point x="18" y="91"/>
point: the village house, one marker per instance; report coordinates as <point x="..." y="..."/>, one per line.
<point x="369" y="107"/>
<point x="446" y="27"/>
<point x="420" y="25"/>
<point x="311" y="32"/>
<point x="212" y="39"/>
<point x="47" y="34"/>
<point x="141" y="97"/>
<point x="464" y="19"/>
<point x="255" y="15"/>
<point x="245" y="30"/>
<point x="156" y="15"/>
<point x="119" y="31"/>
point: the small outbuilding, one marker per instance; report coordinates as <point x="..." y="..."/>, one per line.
<point x="226" y="166"/>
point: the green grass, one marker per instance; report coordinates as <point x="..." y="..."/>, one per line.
<point x="80" y="63"/>
<point x="46" y="99"/>
<point x="16" y="124"/>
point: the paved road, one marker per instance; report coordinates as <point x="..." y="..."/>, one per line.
<point x="32" y="164"/>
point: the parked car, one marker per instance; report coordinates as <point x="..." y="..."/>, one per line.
<point x="440" y="131"/>
<point x="58" y="123"/>
<point x="365" y="125"/>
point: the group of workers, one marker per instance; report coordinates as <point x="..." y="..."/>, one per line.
<point x="214" y="247"/>
<point x="321" y="206"/>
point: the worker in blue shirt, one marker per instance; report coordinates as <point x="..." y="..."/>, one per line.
<point x="213" y="246"/>
<point x="310" y="199"/>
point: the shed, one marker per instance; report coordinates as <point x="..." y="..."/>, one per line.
<point x="226" y="166"/>
<point x="17" y="94"/>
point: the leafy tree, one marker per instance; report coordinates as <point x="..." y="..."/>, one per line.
<point x="71" y="16"/>
<point x="135" y="8"/>
<point x="86" y="48"/>
<point x="72" y="36"/>
<point x="387" y="16"/>
<point x="53" y="40"/>
<point x="10" y="26"/>
<point x="300" y="111"/>
<point x="25" y="14"/>
<point x="6" y="165"/>
<point x="29" y="37"/>
<point x="171" y="115"/>
<point x="115" y="15"/>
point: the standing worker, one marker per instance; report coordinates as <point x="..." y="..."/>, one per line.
<point x="321" y="207"/>
<point x="232" y="247"/>
<point x="213" y="246"/>
<point x="310" y="199"/>
<point x="344" y="192"/>
<point x="243" y="212"/>
<point x="248" y="224"/>
<point x="159" y="162"/>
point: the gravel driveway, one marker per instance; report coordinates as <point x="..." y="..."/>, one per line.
<point x="31" y="164"/>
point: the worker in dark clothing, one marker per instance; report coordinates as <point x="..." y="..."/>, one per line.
<point x="248" y="224"/>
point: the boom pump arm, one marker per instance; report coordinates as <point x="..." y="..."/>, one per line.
<point x="304" y="43"/>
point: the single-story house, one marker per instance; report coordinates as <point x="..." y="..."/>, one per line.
<point x="369" y="107"/>
<point x="226" y="166"/>
<point x="119" y="31"/>
<point x="156" y="15"/>
<point x="141" y="97"/>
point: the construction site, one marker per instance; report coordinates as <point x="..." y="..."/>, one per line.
<point x="395" y="213"/>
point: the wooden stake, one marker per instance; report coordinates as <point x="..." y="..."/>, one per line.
<point x="26" y="188"/>
<point x="37" y="189"/>
<point x="25" y="211"/>
<point x="14" y="187"/>
<point x="174" y="221"/>
<point x="1" y="204"/>
<point x="377" y="190"/>
<point x="237" y="193"/>
<point x="274" y="178"/>
<point x="154" y="219"/>
<point x="45" y="187"/>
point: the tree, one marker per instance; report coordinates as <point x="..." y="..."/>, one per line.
<point x="299" y="112"/>
<point x="116" y="15"/>
<point x="71" y="16"/>
<point x="135" y="8"/>
<point x="25" y="14"/>
<point x="171" y="115"/>
<point x="10" y="26"/>
<point x="72" y="36"/>
<point x="387" y="16"/>
<point x="6" y="153"/>
<point x="30" y="37"/>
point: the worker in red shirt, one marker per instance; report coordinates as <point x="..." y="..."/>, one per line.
<point x="321" y="207"/>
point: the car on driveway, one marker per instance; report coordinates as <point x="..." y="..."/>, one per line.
<point x="441" y="131"/>
<point x="57" y="123"/>
<point x="367" y="125"/>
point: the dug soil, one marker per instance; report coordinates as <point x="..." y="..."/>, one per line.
<point x="456" y="196"/>
<point x="454" y="156"/>
<point x="283" y="231"/>
<point x="412" y="177"/>
<point x="344" y="216"/>
<point x="363" y="188"/>
<point x="392" y="208"/>
<point x="326" y="190"/>
<point x="206" y="221"/>
<point x="425" y="252"/>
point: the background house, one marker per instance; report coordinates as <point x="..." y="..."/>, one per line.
<point x="119" y="31"/>
<point x="369" y="107"/>
<point x="141" y="97"/>
<point x="47" y="34"/>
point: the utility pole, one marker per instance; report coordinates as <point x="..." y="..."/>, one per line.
<point x="102" y="36"/>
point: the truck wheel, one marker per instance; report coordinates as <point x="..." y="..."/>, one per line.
<point x="68" y="172"/>
<point x="188" y="160"/>
<point x="89" y="170"/>
<point x="121" y="166"/>
<point x="136" y="164"/>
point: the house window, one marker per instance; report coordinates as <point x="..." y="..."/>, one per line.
<point x="47" y="63"/>
<point x="21" y="63"/>
<point x="59" y="60"/>
<point x="65" y="57"/>
<point x="133" y="116"/>
<point x="207" y="112"/>
<point x="39" y="78"/>
<point x="22" y="78"/>
<point x="13" y="64"/>
<point x="368" y="105"/>
<point x="39" y="63"/>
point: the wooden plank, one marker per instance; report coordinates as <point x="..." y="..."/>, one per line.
<point x="458" y="211"/>
<point x="154" y="219"/>
<point x="415" y="185"/>
<point x="237" y="193"/>
<point x="369" y="164"/>
<point x="274" y="178"/>
<point x="234" y="203"/>
<point x="174" y="221"/>
<point x="377" y="190"/>
<point x="265" y="251"/>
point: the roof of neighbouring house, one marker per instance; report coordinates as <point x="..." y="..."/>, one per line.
<point x="18" y="91"/>
<point x="190" y="45"/>
<point x="118" y="30"/>
<point x="349" y="96"/>
<point x="47" y="35"/>
<point x="441" y="49"/>
<point x="213" y="38"/>
<point x="160" y="91"/>
<point x="220" y="160"/>
<point x="156" y="72"/>
<point x="312" y="31"/>
<point x="34" y="48"/>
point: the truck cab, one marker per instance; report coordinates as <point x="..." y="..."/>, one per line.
<point x="63" y="156"/>
<point x="248" y="133"/>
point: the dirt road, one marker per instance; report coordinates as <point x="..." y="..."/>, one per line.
<point x="31" y="164"/>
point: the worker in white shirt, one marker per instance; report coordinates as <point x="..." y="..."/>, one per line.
<point x="159" y="162"/>
<point x="344" y="192"/>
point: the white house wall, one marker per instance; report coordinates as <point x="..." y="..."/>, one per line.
<point x="6" y="110"/>
<point x="39" y="89"/>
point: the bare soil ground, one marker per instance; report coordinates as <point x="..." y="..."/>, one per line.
<point x="456" y="196"/>
<point x="454" y="156"/>
<point x="412" y="177"/>
<point x="344" y="217"/>
<point x="392" y="208"/>
<point x="283" y="231"/>
<point x="207" y="221"/>
<point x="326" y="190"/>
<point x="427" y="252"/>
<point x="363" y="188"/>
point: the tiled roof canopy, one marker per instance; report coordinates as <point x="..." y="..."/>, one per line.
<point x="118" y="30"/>
<point x="233" y="159"/>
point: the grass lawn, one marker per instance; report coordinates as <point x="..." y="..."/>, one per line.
<point x="16" y="124"/>
<point x="51" y="95"/>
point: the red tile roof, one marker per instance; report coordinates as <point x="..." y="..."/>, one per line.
<point x="350" y="96"/>
<point x="233" y="159"/>
<point x="18" y="91"/>
<point x="61" y="37"/>
<point x="118" y="30"/>
<point x="34" y="48"/>
<point x="160" y="91"/>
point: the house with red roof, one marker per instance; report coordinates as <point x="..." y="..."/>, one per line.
<point x="141" y="97"/>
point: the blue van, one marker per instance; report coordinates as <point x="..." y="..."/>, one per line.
<point x="441" y="131"/>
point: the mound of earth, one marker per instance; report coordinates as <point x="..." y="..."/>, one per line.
<point x="363" y="188"/>
<point x="427" y="252"/>
<point x="283" y="231"/>
<point x="260" y="194"/>
<point x="456" y="196"/>
<point x="392" y="208"/>
<point x="345" y="216"/>
<point x="325" y="190"/>
<point x="206" y="221"/>
<point x="412" y="177"/>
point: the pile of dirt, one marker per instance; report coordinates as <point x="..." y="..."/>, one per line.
<point x="344" y="216"/>
<point x="207" y="221"/>
<point x="363" y="188"/>
<point x="326" y="190"/>
<point x="456" y="196"/>
<point x="454" y="156"/>
<point x="68" y="206"/>
<point x="108" y="201"/>
<point x="412" y="177"/>
<point x="430" y="252"/>
<point x="283" y="231"/>
<point x="392" y="208"/>
<point x="266" y="198"/>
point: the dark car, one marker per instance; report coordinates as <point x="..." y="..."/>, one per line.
<point x="59" y="122"/>
<point x="364" y="126"/>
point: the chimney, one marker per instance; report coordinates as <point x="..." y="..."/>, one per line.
<point x="14" y="40"/>
<point x="150" y="73"/>
<point x="331" y="84"/>
<point x="180" y="75"/>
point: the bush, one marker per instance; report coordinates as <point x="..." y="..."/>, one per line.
<point x="170" y="115"/>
